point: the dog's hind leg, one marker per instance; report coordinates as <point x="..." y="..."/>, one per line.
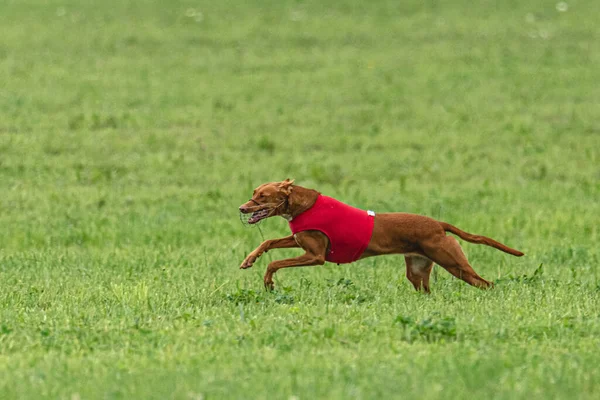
<point x="418" y="270"/>
<point x="447" y="253"/>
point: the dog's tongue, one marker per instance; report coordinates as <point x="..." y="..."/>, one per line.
<point x="257" y="216"/>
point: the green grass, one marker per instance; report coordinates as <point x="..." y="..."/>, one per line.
<point x="130" y="132"/>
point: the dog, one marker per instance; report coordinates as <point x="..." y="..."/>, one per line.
<point x="329" y="230"/>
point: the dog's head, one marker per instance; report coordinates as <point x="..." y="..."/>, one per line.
<point x="268" y="199"/>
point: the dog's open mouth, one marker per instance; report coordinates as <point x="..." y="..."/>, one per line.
<point x="258" y="215"/>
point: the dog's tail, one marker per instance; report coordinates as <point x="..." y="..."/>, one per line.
<point x="480" y="240"/>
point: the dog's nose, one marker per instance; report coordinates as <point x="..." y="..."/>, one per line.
<point x="243" y="209"/>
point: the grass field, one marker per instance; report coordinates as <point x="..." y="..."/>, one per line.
<point x="130" y="132"/>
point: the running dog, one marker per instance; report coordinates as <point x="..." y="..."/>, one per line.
<point x="329" y="230"/>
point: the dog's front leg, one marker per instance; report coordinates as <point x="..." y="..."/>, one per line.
<point x="304" y="260"/>
<point x="283" y="243"/>
<point x="313" y="242"/>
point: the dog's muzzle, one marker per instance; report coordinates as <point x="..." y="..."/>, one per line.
<point x="249" y="217"/>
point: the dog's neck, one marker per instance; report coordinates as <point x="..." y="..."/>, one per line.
<point x="300" y="200"/>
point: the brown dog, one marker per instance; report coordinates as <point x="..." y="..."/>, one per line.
<point x="421" y="239"/>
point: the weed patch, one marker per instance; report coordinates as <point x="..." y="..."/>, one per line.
<point x="432" y="329"/>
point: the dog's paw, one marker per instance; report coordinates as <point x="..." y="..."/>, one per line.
<point x="248" y="262"/>
<point x="269" y="285"/>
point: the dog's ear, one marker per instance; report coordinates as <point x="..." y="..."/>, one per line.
<point x="286" y="186"/>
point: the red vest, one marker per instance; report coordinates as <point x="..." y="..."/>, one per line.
<point x="348" y="228"/>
